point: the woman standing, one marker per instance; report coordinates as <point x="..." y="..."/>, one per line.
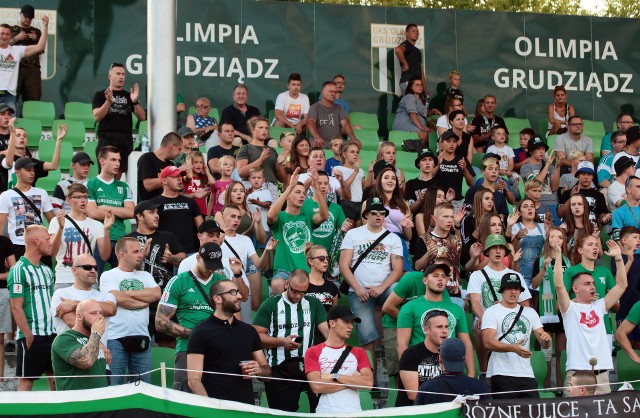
<point x="578" y="223"/>
<point x="528" y="236"/>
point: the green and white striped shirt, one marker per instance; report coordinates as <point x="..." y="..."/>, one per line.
<point x="283" y="318"/>
<point x="35" y="285"/>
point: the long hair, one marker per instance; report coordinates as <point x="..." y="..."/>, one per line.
<point x="477" y="210"/>
<point x="295" y="157"/>
<point x="227" y="196"/>
<point x="570" y="220"/>
<point x="547" y="251"/>
<point x="397" y="198"/>
<point x="204" y="180"/>
<point x="382" y="147"/>
<point x="422" y="96"/>
<point x="483" y="228"/>
<point x="429" y="204"/>
<point x="576" y="257"/>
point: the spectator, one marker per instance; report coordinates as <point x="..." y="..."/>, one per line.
<point x="568" y="180"/>
<point x="629" y="327"/>
<point x="6" y="114"/>
<point x="453" y="167"/>
<point x="577" y="223"/>
<point x="442" y="124"/>
<point x="349" y="173"/>
<point x="128" y="330"/>
<point x="453" y="91"/>
<point x="458" y="122"/>
<point x="572" y="140"/>
<point x="543" y="171"/>
<point x="582" y="383"/>
<point x="484" y="122"/>
<point x="151" y="163"/>
<point x="598" y="211"/>
<point x="7" y="254"/>
<point x="411" y="115"/>
<point x="335" y="145"/>
<point x="187" y="135"/>
<point x="197" y="181"/>
<point x="629" y="243"/>
<point x="624" y="121"/>
<point x="492" y="224"/>
<point x="627" y="214"/>
<point x="410" y="58"/>
<point x="415" y="189"/>
<point x="505" y="159"/>
<point x="616" y="194"/>
<point x="501" y="193"/>
<point x="292" y="106"/>
<point x="559" y="112"/>
<point x="299" y="155"/>
<point x="324" y="290"/>
<point x="29" y="85"/>
<point x="327" y="118"/>
<point x="113" y="109"/>
<point x="225" y="147"/>
<point x="239" y="113"/>
<point x="258" y="199"/>
<point x="80" y="163"/>
<point x="482" y="205"/>
<point x="521" y="155"/>
<point x="337" y="186"/>
<point x="386" y="154"/>
<point x="218" y="193"/>
<point x="606" y="170"/>
<point x="30" y="284"/>
<point x="200" y="123"/>
<point x="340" y="83"/>
<point x="250" y="222"/>
<point x="632" y="150"/>
<point x="527" y="236"/>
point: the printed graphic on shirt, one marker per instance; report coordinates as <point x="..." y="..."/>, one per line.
<point x="132" y="284"/>
<point x="591" y="319"/>
<point x="487" y="296"/>
<point x="296" y="235"/>
<point x="25" y="215"/>
<point x="74" y="244"/>
<point x="326" y="228"/>
<point x="294" y="111"/>
<point x="378" y="255"/>
<point x="520" y="331"/>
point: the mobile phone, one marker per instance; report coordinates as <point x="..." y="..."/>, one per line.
<point x="297" y="340"/>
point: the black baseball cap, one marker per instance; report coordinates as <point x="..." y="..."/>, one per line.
<point x="28" y="11"/>
<point x="209" y="226"/>
<point x="510" y="281"/>
<point x="342" y="312"/>
<point x="4" y="107"/>
<point x="536" y="143"/>
<point x="145" y="205"/>
<point x="425" y="153"/>
<point x="381" y="165"/>
<point x="81" y="158"/>
<point x="24" y="162"/>
<point x="211" y="254"/>
<point x="452" y="353"/>
<point x="622" y="164"/>
<point x="442" y="266"/>
<point x="449" y="134"/>
<point x="374" y="204"/>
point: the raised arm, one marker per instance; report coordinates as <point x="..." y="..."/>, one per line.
<point x="613" y="296"/>
<point x="562" y="295"/>
<point x="42" y="42"/>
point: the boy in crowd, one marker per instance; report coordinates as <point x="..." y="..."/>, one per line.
<point x="505" y="158"/>
<point x="568" y="180"/>
<point x="335" y="145"/>
<point x="491" y="181"/>
<point x="522" y="154"/>
<point x="543" y="171"/>
<point x="259" y="197"/>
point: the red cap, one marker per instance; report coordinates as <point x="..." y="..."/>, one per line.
<point x="171" y="171"/>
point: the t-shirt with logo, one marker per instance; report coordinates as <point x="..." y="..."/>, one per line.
<point x="449" y="248"/>
<point x="152" y="263"/>
<point x="118" y="118"/>
<point x="191" y="307"/>
<point x="418" y="358"/>
<point x="20" y="214"/>
<point x="603" y="281"/>
<point x="325" y="233"/>
<point x="293" y="232"/>
<point x="500" y="318"/>
<point x="586" y="335"/>
<point x="63" y="347"/>
<point x="292" y="109"/>
<point x="451" y="176"/>
<point x="412" y="316"/>
<point x="478" y="285"/>
<point x="9" y="60"/>
<point x="127" y="322"/>
<point x="113" y="193"/>
<point x="34" y="284"/>
<point x="177" y="216"/>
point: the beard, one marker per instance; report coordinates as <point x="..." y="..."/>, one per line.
<point x="230" y="306"/>
<point x="86" y="325"/>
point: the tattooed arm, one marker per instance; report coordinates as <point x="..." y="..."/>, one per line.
<point x="83" y="358"/>
<point x="165" y="325"/>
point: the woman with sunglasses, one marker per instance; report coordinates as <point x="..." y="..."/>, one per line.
<point x="200" y="122"/>
<point x="323" y="290"/>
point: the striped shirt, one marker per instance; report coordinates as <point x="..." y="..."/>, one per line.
<point x="282" y="318"/>
<point x="35" y="285"/>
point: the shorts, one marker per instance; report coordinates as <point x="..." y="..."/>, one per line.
<point x="35" y="361"/>
<point x="281" y="274"/>
<point x="390" y="343"/>
<point x="367" y="331"/>
<point x="5" y="312"/>
<point x="122" y="141"/>
<point x="515" y="385"/>
<point x="153" y="332"/>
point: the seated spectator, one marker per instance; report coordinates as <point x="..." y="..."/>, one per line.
<point x="482" y="205"/>
<point x="572" y="140"/>
<point x="569" y="180"/>
<point x="411" y="115"/>
<point x="415" y="189"/>
<point x="292" y="106"/>
<point x="625" y="167"/>
<point x="226" y="165"/>
<point x="624" y="121"/>
<point x="151" y="163"/>
<point x="324" y="290"/>
<point x="225" y="147"/>
<point x="250" y="222"/>
<point x="299" y="155"/>
<point x="559" y="112"/>
<point x="521" y="155"/>
<point x="459" y="126"/>
<point x="340" y="83"/>
<point x="484" y="122"/>
<point x="328" y="119"/>
<point x="239" y="113"/>
<point x="598" y="211"/>
<point x="606" y="171"/>
<point x="203" y="125"/>
<point x="258" y="199"/>
<point x="533" y="191"/>
<point x="337" y="187"/>
<point x="80" y="163"/>
<point x="632" y="150"/>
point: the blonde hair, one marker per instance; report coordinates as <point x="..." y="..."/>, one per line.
<point x="382" y="147"/>
<point x="336" y="138"/>
<point x="345" y="147"/>
<point x="576" y="154"/>
<point x="310" y="250"/>
<point x="531" y="184"/>
<point x="226" y="158"/>
<point x="489" y="162"/>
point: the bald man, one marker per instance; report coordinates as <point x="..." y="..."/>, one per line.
<point x="30" y="284"/>
<point x="76" y="352"/>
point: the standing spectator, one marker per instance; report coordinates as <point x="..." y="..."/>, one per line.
<point x="128" y="330"/>
<point x="30" y="284"/>
<point x="80" y="163"/>
<point x="150" y="165"/>
<point x="197" y="181"/>
<point x="200" y="123"/>
<point x="543" y="171"/>
<point x="606" y="170"/>
<point x="528" y="236"/>
<point x="292" y="106"/>
<point x="453" y="92"/>
<point x="327" y="118"/>
<point x="12" y="54"/>
<point x="625" y="167"/>
<point x="286" y="324"/>
<point x="6" y="114"/>
<point x="29" y="77"/>
<point x="259" y="198"/>
<point x="483" y="123"/>
<point x="112" y="109"/>
<point x="225" y="147"/>
<point x="109" y="195"/>
<point x="572" y="140"/>
<point x="521" y="155"/>
<point x="74" y="233"/>
<point x="7" y="254"/>
<point x="629" y="213"/>
<point x="410" y="58"/>
<point x="629" y="327"/>
<point x="326" y="363"/>
<point x="337" y="187"/>
<point x="187" y="135"/>
<point x="454" y="168"/>
<point x="320" y="288"/>
<point x="239" y="113"/>
<point x="415" y="189"/>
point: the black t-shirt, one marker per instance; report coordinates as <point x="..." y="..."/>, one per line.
<point x="152" y="263"/>
<point x="632" y="294"/>
<point x="595" y="199"/>
<point x="414" y="59"/>
<point x="40" y="172"/>
<point x="6" y="250"/>
<point x="238" y="119"/>
<point x="4" y="141"/>
<point x="463" y="148"/>
<point x="325" y="295"/>
<point x="149" y="167"/>
<point x="414" y="187"/>
<point x="118" y="119"/>
<point x="483" y="125"/>
<point x="417" y="358"/>
<point x="499" y="200"/>
<point x="451" y="176"/>
<point x="217" y="152"/>
<point x="177" y="216"/>
<point x="224" y="346"/>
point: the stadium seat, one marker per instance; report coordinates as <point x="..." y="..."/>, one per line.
<point x="369" y="139"/>
<point x="542" y="127"/>
<point x="276" y="131"/>
<point x="47" y="148"/>
<point x="406" y="161"/>
<point x="539" y="366"/>
<point x="81" y="112"/>
<point x="551" y="142"/>
<point x="134" y="123"/>
<point x="33" y="127"/>
<point x="514" y="141"/>
<point x="398" y="136"/>
<point x="367" y="156"/>
<point x="433" y="141"/>
<point x="593" y="128"/>
<point x="49" y="183"/>
<point x="364" y="120"/>
<point x="563" y="365"/>
<point x="213" y="112"/>
<point x="45" y="112"/>
<point x="515" y="125"/>
<point x="477" y="160"/>
<point x="392" y="394"/>
<point x="390" y="118"/>
<point x="90" y="148"/>
<point x="162" y="355"/>
<point x="272" y="115"/>
<point x="627" y="370"/>
<point x="75" y="132"/>
<point x="143" y="128"/>
<point x="366" y="402"/>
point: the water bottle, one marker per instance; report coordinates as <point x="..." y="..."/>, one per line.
<point x="144" y="147"/>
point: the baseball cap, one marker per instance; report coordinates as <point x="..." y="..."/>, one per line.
<point x="425" y="153"/>
<point x="4" y="107"/>
<point x="28" y="11"/>
<point x="81" y="158"/>
<point x="185" y="131"/>
<point x="442" y="266"/>
<point x="585" y="167"/>
<point x="496" y="240"/>
<point x="211" y="254"/>
<point x="374" y="204"/>
<point x="622" y="164"/>
<point x="452" y="353"/>
<point x="633" y="134"/>
<point x="536" y="143"/>
<point x="145" y="205"/>
<point x="449" y="134"/>
<point x="381" y="165"/>
<point x="510" y="281"/>
<point x="171" y="171"/>
<point x="24" y="162"/>
<point x="209" y="226"/>
<point x="342" y="312"/>
<point x="490" y="155"/>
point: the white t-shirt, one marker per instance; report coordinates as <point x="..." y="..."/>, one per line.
<point x="587" y="336"/>
<point x="615" y="193"/>
<point x="356" y="186"/>
<point x="263" y="195"/>
<point x="443" y="122"/>
<point x="504" y="152"/>
<point x="334" y="185"/>
<point x="500" y="318"/>
<point x="243" y="246"/>
<point x="20" y="214"/>
<point x="188" y="263"/>
<point x="293" y="109"/>
<point x="72" y="244"/>
<point x="72" y="293"/>
<point x="127" y="322"/>
<point x="376" y="266"/>
<point x="478" y="285"/>
<point x="9" y="62"/>
<point x="537" y="230"/>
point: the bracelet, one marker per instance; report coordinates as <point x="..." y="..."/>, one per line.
<point x="135" y="103"/>
<point x="97" y="333"/>
<point x="237" y="275"/>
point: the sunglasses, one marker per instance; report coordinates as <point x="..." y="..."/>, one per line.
<point x="377" y="212"/>
<point x="297" y="292"/>
<point x="433" y="314"/>
<point x="320" y="257"/>
<point x="232" y="292"/>
<point x="88" y="267"/>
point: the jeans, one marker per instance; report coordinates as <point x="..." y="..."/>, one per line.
<point x="128" y="363"/>
<point x="9" y="99"/>
<point x="367" y="332"/>
<point x="113" y="260"/>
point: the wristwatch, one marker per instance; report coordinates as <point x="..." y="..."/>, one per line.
<point x="335" y="377"/>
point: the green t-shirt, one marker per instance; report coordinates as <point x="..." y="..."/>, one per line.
<point x="111" y="194"/>
<point x="63" y="347"/>
<point x="412" y="314"/>
<point x="634" y="314"/>
<point x="183" y="294"/>
<point x="324" y="233"/>
<point x="293" y="232"/>
<point x="35" y="285"/>
<point x="603" y="280"/>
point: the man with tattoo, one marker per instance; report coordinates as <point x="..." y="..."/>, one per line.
<point x="185" y="297"/>
<point x="134" y="290"/>
<point x="76" y="352"/>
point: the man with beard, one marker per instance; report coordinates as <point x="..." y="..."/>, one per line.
<point x="223" y="344"/>
<point x="134" y="290"/>
<point x="76" y="352"/>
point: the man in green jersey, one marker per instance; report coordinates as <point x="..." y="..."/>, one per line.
<point x="108" y="194"/>
<point x="30" y="285"/>
<point x="185" y="297"/>
<point x="77" y="352"/>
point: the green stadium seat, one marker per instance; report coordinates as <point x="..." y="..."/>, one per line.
<point x="143" y="128"/>
<point x="627" y="370"/>
<point x="49" y="183"/>
<point x="369" y="139"/>
<point x="398" y="136"/>
<point x="75" y="132"/>
<point x="272" y="115"/>
<point x="514" y="141"/>
<point x="162" y="355"/>
<point x="593" y="128"/>
<point x="406" y="161"/>
<point x="134" y="123"/>
<point x="90" y="148"/>
<point x="33" y="127"/>
<point x="213" y="112"/>
<point x="81" y="112"/>
<point x="366" y="402"/>
<point x="433" y="141"/>
<point x="364" y="120"/>
<point x="551" y="142"/>
<point x="45" y="112"/>
<point x="47" y="148"/>
<point x="563" y="365"/>
<point x="303" y="403"/>
<point x="542" y="127"/>
<point x="390" y="118"/>
<point x="367" y="156"/>
<point x="515" y="125"/>
<point x="539" y="366"/>
<point x="477" y="160"/>
<point x="276" y="131"/>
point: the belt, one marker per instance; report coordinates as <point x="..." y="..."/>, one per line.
<point x="597" y="372"/>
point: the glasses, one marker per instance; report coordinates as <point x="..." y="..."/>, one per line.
<point x="88" y="267"/>
<point x="376" y="212"/>
<point x="116" y="64"/>
<point x="232" y="292"/>
<point x="80" y="197"/>
<point x="576" y="124"/>
<point x="297" y="292"/>
<point x="321" y="258"/>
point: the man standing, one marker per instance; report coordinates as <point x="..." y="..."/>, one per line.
<point x="80" y="163"/>
<point x="152" y="163"/>
<point x="484" y="123"/>
<point x="292" y="106"/>
<point x="29" y="77"/>
<point x="112" y="109"/>
<point x="77" y="353"/>
<point x="572" y="140"/>
<point x="30" y="284"/>
<point x="328" y="119"/>
<point x="239" y="113"/>
<point x="134" y="290"/>
<point x="625" y="167"/>
<point x="506" y="330"/>
<point x="10" y="55"/>
<point x="223" y="344"/>
<point x="410" y="57"/>
<point x="286" y="324"/>
<point x="326" y="363"/>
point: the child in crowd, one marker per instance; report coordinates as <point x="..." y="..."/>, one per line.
<point x="533" y="191"/>
<point x="353" y="176"/>
<point x="259" y="198"/>
<point x="335" y="145"/>
<point x="286" y="140"/>
<point x="528" y="235"/>
<point x="198" y="181"/>
<point x="226" y="164"/>
<point x="387" y="152"/>
<point x="453" y="91"/>
<point x="491" y="181"/>
<point x="521" y="154"/>
<point x="505" y="157"/>
<point x="567" y="181"/>
<point x="545" y="172"/>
